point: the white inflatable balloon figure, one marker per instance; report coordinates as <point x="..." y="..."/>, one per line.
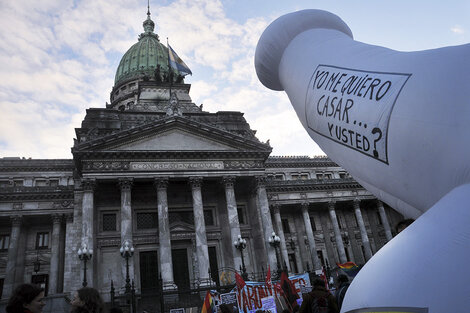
<point x="399" y="122"/>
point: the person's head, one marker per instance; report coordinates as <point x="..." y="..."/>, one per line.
<point x="26" y="296"/>
<point x="403" y="224"/>
<point x="318" y="282"/>
<point x="225" y="308"/>
<point x="342" y="279"/>
<point x="87" y="299"/>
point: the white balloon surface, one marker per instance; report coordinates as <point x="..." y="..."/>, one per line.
<point x="399" y="122"/>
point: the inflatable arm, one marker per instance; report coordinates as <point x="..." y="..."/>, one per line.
<point x="399" y="122"/>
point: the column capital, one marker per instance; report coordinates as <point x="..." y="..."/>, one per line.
<point x="304" y="205"/>
<point x="195" y="182"/>
<point x="161" y="182"/>
<point x="88" y="184"/>
<point x="260" y="181"/>
<point x="356" y="203"/>
<point x="125" y="183"/>
<point x="16" y="220"/>
<point x="379" y="203"/>
<point x="228" y="181"/>
<point x="56" y="218"/>
<point x="276" y="207"/>
<point x="331" y="204"/>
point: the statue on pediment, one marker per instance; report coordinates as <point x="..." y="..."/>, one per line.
<point x="173" y="106"/>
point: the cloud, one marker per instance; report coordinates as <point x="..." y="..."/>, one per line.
<point x="59" y="58"/>
<point x="457" y="29"/>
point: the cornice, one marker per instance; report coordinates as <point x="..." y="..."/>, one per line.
<point x="299" y="161"/>
<point x="312" y="184"/>
<point x="31" y="165"/>
<point x="36" y="193"/>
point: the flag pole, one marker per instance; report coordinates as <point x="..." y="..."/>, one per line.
<point x="170" y="78"/>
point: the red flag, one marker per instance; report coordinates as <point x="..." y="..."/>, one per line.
<point x="323" y="276"/>
<point x="239" y="280"/>
<point x="268" y="277"/>
<point x="289" y="290"/>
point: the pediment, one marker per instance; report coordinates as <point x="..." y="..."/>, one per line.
<point x="173" y="134"/>
<point x="173" y="140"/>
<point x="179" y="226"/>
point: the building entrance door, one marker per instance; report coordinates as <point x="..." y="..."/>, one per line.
<point x="148" y="271"/>
<point x="180" y="268"/>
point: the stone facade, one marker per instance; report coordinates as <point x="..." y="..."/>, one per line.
<point x="311" y="203"/>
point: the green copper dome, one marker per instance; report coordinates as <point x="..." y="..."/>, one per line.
<point x="142" y="58"/>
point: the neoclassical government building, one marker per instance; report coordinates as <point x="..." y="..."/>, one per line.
<point x="180" y="185"/>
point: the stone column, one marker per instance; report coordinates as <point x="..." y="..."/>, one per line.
<point x="55" y="253"/>
<point x="263" y="207"/>
<point x="71" y="258"/>
<point x="88" y="186"/>
<point x="202" y="251"/>
<point x="166" y="263"/>
<point x="362" y="228"/>
<point x="232" y="213"/>
<point x="311" y="238"/>
<point x="125" y="184"/>
<point x="384" y="219"/>
<point x="280" y="233"/>
<point x="339" y="239"/>
<point x="9" y="282"/>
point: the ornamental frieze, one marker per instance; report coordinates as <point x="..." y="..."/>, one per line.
<point x="106" y="165"/>
<point x="176" y="166"/>
<point x="243" y="164"/>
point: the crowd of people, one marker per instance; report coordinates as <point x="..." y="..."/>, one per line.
<point x="29" y="298"/>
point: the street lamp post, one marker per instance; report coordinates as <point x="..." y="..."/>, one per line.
<point x="240" y="244"/>
<point x="275" y="242"/>
<point x="127" y="251"/>
<point x="84" y="254"/>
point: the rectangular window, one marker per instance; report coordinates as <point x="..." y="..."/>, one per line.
<point x="340" y="221"/>
<point x="241" y="216"/>
<point x="54" y="182"/>
<point x="147" y="220"/>
<point x="379" y="220"/>
<point x="295" y="177"/>
<point x="181" y="216"/>
<point x="319" y="176"/>
<point x="279" y="177"/>
<point x="42" y="240"/>
<point x="327" y="176"/>
<point x="292" y="263"/>
<point x="343" y="175"/>
<point x="285" y="226"/>
<point x="209" y="218"/>
<point x="4" y="242"/>
<point x="312" y="223"/>
<point x="18" y="183"/>
<point x="304" y="176"/>
<point x="109" y="221"/>
<point x="320" y="257"/>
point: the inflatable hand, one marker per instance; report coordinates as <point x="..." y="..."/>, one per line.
<point x="399" y="122"/>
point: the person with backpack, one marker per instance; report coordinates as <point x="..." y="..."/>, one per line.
<point x="319" y="300"/>
<point x="343" y="285"/>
